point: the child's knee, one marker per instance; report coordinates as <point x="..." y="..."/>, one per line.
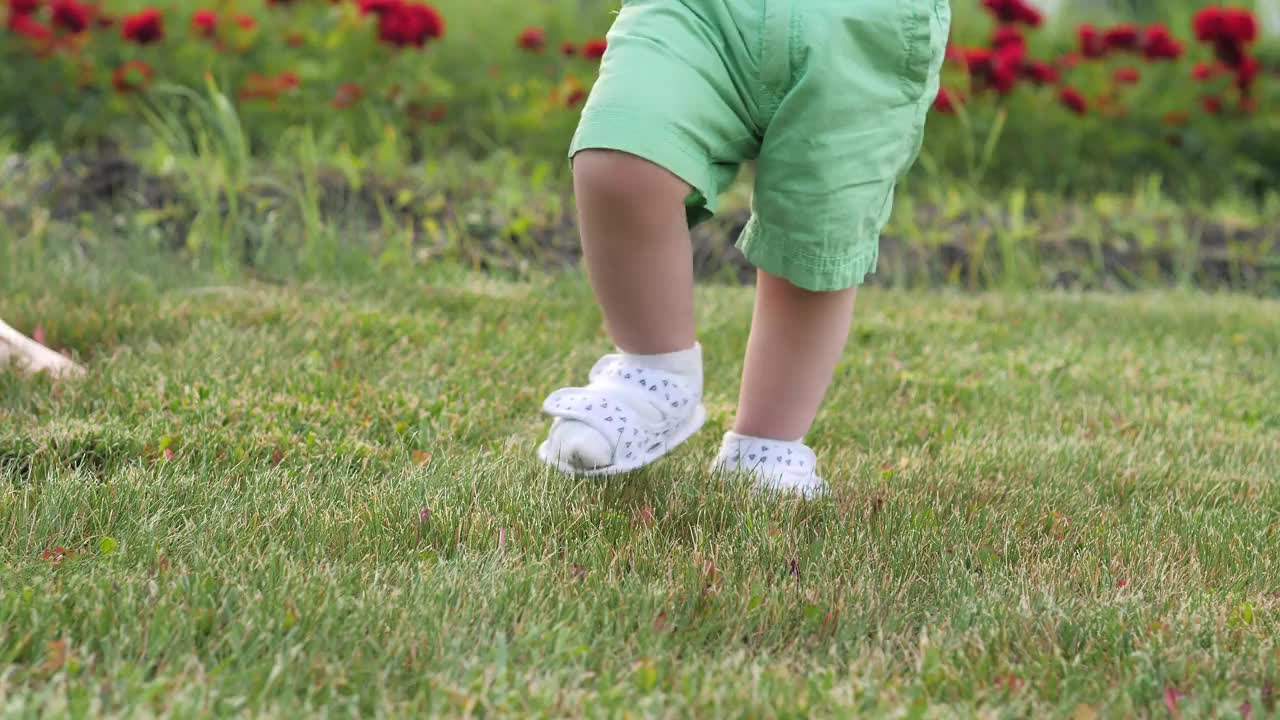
<point x="620" y="178"/>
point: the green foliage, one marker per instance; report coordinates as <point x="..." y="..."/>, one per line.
<point x="475" y="92"/>
<point x="1156" y="127"/>
<point x="474" y="88"/>
<point x="322" y="213"/>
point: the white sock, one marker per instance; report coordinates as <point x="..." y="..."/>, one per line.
<point x="732" y="436"/>
<point x="685" y="363"/>
<point x="586" y="447"/>
<point x="736" y="450"/>
<point x="776" y="464"/>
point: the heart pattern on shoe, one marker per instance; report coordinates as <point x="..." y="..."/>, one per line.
<point x="647" y="411"/>
<point x="777" y="466"/>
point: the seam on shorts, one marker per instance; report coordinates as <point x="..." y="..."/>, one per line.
<point x="819" y="261"/>
<point x="811" y="260"/>
<point x="771" y="96"/>
<point x="827" y="272"/>
<point x="760" y="50"/>
<point x="766" y="93"/>
<point x="797" y="35"/>
<point x="915" y="34"/>
<point x="817" y="273"/>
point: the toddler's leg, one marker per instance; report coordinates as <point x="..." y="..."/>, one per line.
<point x="797" y="337"/>
<point x="647" y="399"/>
<point x="636" y="244"/>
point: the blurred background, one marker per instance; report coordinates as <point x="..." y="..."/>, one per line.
<point x="1075" y="143"/>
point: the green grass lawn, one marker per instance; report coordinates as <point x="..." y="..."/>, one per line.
<point x="289" y="500"/>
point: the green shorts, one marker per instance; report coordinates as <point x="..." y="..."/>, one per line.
<point x="828" y="97"/>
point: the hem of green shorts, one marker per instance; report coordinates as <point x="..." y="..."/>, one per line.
<point x="639" y="134"/>
<point x="773" y="251"/>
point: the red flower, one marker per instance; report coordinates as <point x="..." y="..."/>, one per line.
<point x="1040" y="73"/>
<point x="1229" y="52"/>
<point x="143" y="27"/>
<point x="1070" y="60"/>
<point x="1126" y="75"/>
<point x="19" y="8"/>
<point x="348" y="94"/>
<point x="287" y="80"/>
<point x="532" y="39"/>
<point x="70" y="15"/>
<point x="29" y="28"/>
<point x="1209" y="24"/>
<point x="431" y="19"/>
<point x="1005" y="69"/>
<point x="575" y="97"/>
<point x="1014" y="11"/>
<point x="976" y="60"/>
<point x="1246" y="73"/>
<point x="1091" y="45"/>
<point x="1009" y="38"/>
<point x="1211" y="104"/>
<point x="998" y="70"/>
<point x="1240" y="25"/>
<point x="1121" y="38"/>
<point x="409" y="24"/>
<point x="397" y="25"/>
<point x="568" y="49"/>
<point x="246" y="22"/>
<point x="947" y="101"/>
<point x="1159" y="44"/>
<point x="1229" y="30"/>
<point x="204" y="22"/>
<point x="294" y="39"/>
<point x="56" y="555"/>
<point x="1073" y="100"/>
<point x="594" y="49"/>
<point x="131" y="76"/>
<point x="1203" y="71"/>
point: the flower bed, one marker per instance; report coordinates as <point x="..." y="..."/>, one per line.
<point x="1193" y="103"/>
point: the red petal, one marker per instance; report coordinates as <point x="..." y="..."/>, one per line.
<point x="1171" y="697"/>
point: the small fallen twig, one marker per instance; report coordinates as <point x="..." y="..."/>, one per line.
<point x="31" y="356"/>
